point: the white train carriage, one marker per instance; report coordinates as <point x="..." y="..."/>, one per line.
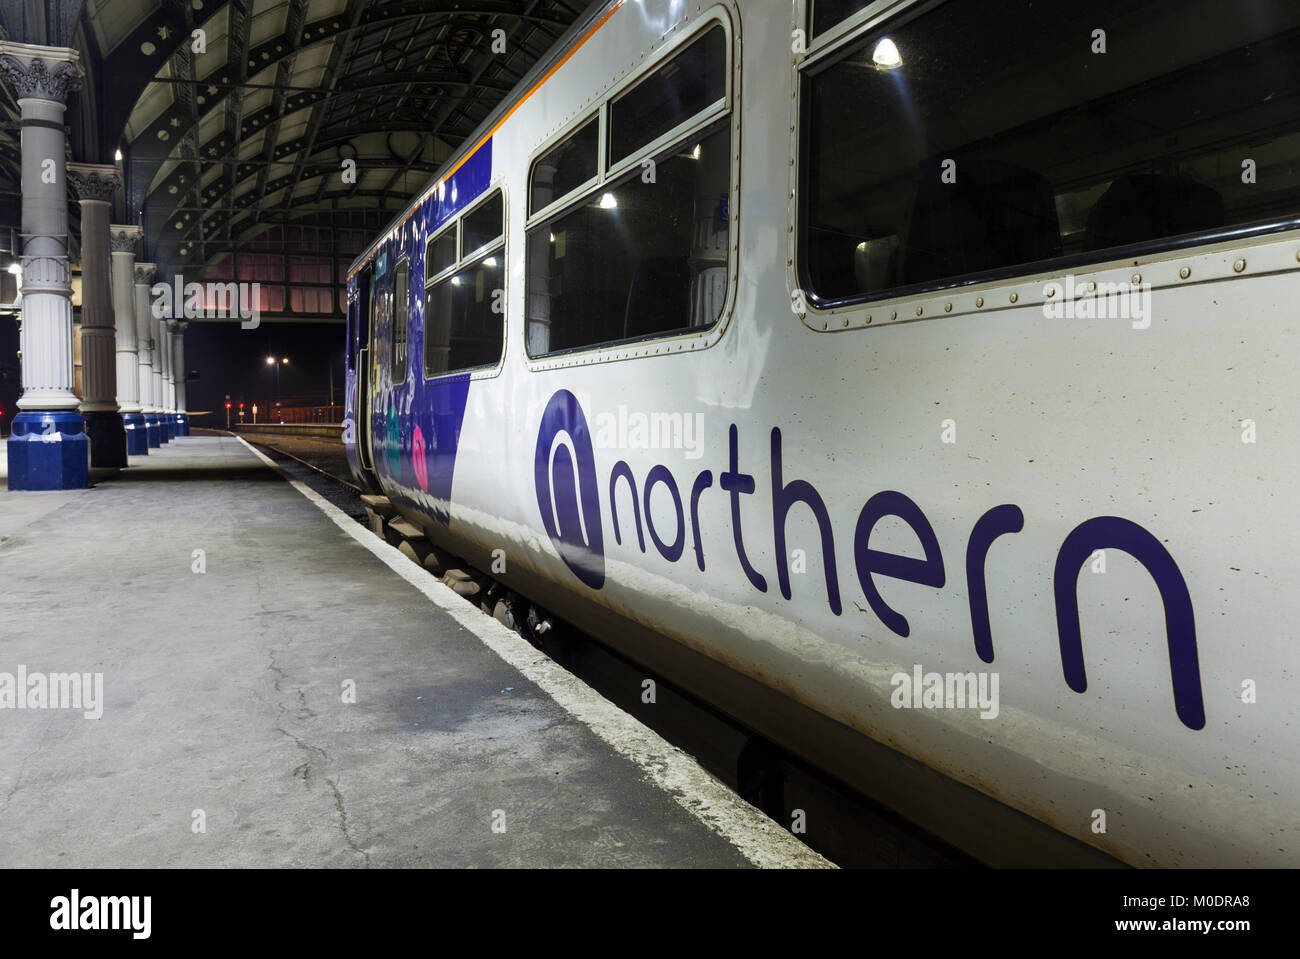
<point x="912" y="380"/>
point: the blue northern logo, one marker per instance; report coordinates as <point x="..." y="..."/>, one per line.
<point x="567" y="492"/>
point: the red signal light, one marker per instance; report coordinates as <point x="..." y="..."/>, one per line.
<point x="227" y="406"/>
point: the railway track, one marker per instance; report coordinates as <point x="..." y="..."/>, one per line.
<point x="311" y="466"/>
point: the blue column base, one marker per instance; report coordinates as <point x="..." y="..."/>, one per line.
<point x="152" y="432"/>
<point x="137" y="435"/>
<point x="183" y="424"/>
<point x="107" y="435"/>
<point x="48" y="450"/>
<point x="165" y="426"/>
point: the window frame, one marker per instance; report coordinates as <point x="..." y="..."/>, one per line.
<point x="822" y="53"/>
<point x="853" y="25"/>
<point x="464" y="261"/>
<point x="352" y="293"/>
<point x="402" y="265"/>
<point x="724" y="110"/>
<point x="696" y="121"/>
<point x="451" y="226"/>
<point x="473" y="208"/>
<point x="566" y="131"/>
<point x="380" y="321"/>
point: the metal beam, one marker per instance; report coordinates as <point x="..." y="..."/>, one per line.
<point x="239" y="24"/>
<point x="389" y="12"/>
<point x="353" y="15"/>
<point x="393" y="66"/>
<point x="284" y="73"/>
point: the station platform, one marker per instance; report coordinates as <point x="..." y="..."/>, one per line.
<point x="230" y="610"/>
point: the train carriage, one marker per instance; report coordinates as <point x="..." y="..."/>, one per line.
<point x="909" y="379"/>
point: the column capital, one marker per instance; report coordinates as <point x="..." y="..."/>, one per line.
<point x="38" y="72"/>
<point x="123" y="237"/>
<point x="94" y="181"/>
<point x="145" y="272"/>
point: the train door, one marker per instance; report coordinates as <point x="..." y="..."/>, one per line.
<point x="365" y="334"/>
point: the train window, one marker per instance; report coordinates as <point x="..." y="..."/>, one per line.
<point x="401" y="312"/>
<point x="635" y="259"/>
<point x="464" y="318"/>
<point x="827" y="13"/>
<point x="684" y="86"/>
<point x="484" y="225"/>
<point x="567" y="166"/>
<point x="967" y="141"/>
<point x="376" y="315"/>
<point x="440" y="253"/>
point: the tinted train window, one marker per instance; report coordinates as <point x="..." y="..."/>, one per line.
<point x="635" y="259"/>
<point x="974" y="139"/>
<point x="688" y="83"/>
<point x="441" y="253"/>
<point x="484" y="225"/>
<point x="566" y="167"/>
<point x="827" y="13"/>
<point x="401" y="312"/>
<point x="464" y="321"/>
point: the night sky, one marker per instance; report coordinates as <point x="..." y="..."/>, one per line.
<point x="232" y="360"/>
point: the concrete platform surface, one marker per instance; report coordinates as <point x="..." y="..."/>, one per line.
<point x="229" y="616"/>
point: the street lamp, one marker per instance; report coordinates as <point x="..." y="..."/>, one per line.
<point x="271" y="361"/>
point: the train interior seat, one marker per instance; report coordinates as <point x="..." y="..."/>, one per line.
<point x="875" y="263"/>
<point x="830" y="261"/>
<point x="1149" y="206"/>
<point x="709" y="295"/>
<point x="995" y="214"/>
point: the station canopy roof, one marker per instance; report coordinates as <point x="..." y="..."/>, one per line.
<point x="234" y="139"/>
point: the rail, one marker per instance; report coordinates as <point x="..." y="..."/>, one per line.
<point x="330" y="431"/>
